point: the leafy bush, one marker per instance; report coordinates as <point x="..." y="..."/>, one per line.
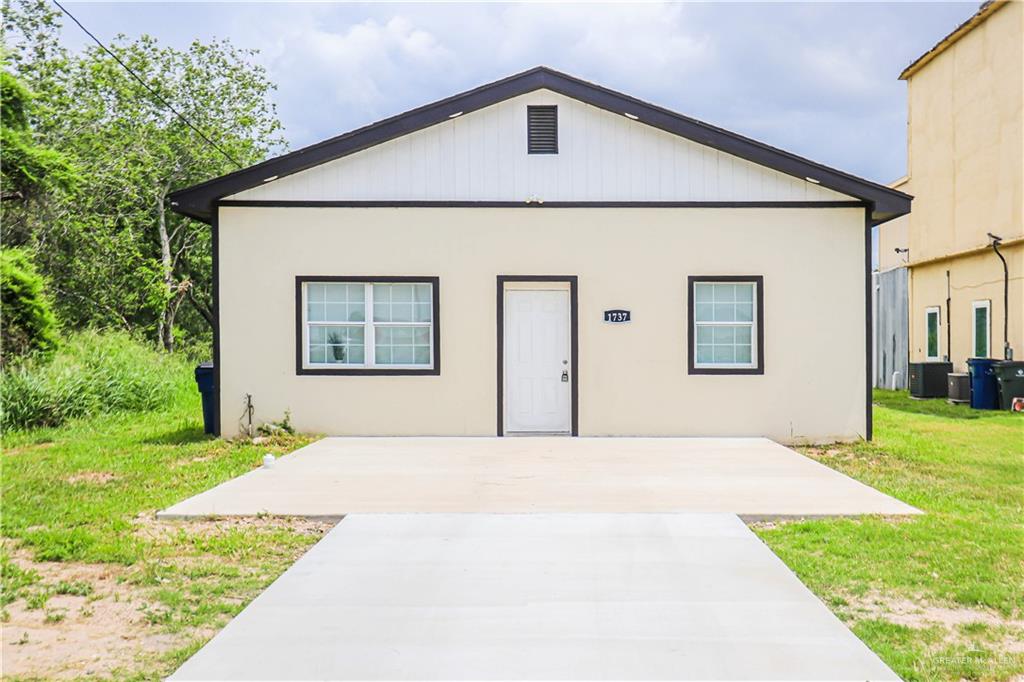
<point x="29" y="325"/>
<point x="93" y="372"/>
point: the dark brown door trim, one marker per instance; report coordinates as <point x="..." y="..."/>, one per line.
<point x="574" y="335"/>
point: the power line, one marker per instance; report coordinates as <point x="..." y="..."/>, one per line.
<point x="146" y="85"/>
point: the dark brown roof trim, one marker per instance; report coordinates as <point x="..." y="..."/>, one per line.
<point x="417" y="203"/>
<point x="197" y="201"/>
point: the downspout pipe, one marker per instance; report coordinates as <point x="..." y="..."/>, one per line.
<point x="1007" y="351"/>
<point x="949" y="322"/>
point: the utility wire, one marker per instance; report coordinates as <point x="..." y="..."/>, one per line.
<point x="146" y="85"/>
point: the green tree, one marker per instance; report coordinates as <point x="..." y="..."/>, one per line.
<point x="28" y="325"/>
<point x="114" y="251"/>
<point x="28" y="168"/>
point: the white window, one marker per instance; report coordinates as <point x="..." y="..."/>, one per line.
<point x="725" y="324"/>
<point x="369" y="325"/>
<point x="982" y="326"/>
<point x="932" y="323"/>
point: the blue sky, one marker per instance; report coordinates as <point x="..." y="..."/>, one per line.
<point x="817" y="79"/>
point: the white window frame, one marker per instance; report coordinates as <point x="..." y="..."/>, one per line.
<point x="752" y="324"/>
<point x="985" y="305"/>
<point x="937" y="311"/>
<point x="369" y="328"/>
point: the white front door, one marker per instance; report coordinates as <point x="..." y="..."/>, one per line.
<point x="538" y="376"/>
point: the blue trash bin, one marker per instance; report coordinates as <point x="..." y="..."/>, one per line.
<point x="984" y="388"/>
<point x="205" y="381"/>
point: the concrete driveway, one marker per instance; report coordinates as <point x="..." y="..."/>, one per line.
<point x="536" y="596"/>
<point x="753" y="477"/>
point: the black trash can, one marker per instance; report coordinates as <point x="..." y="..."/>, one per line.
<point x="205" y="381"/>
<point x="1010" y="375"/>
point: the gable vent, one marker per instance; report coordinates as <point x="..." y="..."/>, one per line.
<point x="542" y="129"/>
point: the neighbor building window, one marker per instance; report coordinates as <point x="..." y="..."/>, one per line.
<point x="726" y="320"/>
<point x="367" y="325"/>
<point x="982" y="328"/>
<point x="931" y="325"/>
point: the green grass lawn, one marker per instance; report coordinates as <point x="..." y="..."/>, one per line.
<point x="939" y="596"/>
<point x="84" y="495"/>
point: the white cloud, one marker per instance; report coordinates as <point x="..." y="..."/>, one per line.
<point x="818" y="79"/>
<point x="332" y="72"/>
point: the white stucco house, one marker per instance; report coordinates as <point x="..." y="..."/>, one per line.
<point x="542" y="255"/>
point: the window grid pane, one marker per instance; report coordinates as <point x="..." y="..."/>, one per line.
<point x="402" y="303"/>
<point x="336" y="345"/>
<point x="724" y="302"/>
<point x="402" y="345"/>
<point x="333" y="302"/>
<point x="719" y="344"/>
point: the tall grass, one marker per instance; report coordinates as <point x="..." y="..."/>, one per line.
<point x="93" y="372"/>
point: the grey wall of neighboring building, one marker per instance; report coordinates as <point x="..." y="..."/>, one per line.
<point x="892" y="342"/>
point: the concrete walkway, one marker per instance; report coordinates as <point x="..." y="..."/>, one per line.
<point x="753" y="477"/>
<point x="558" y="596"/>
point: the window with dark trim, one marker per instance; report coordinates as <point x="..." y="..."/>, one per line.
<point x="542" y="129"/>
<point x="367" y="325"/>
<point x="726" y="324"/>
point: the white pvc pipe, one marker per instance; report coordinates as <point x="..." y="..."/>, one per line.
<point x="895" y="376"/>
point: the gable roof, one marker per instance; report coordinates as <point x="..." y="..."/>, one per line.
<point x="198" y="201"/>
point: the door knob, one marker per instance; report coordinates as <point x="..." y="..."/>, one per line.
<point x="565" y="375"/>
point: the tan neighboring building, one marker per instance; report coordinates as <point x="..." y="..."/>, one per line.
<point x="965" y="171"/>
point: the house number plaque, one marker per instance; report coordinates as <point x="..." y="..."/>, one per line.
<point x="616" y="316"/>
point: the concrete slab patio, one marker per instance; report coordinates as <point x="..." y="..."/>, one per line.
<point x="537" y="596"/>
<point x="753" y="477"/>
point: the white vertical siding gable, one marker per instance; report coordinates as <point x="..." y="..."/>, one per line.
<point x="481" y="156"/>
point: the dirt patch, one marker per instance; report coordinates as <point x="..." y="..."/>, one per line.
<point x="151" y="528"/>
<point x="841" y="455"/>
<point x="90" y="620"/>
<point x="919" y="613"/>
<point x="55" y="572"/>
<point x="891" y="520"/>
<point x="93" y="477"/>
<point x="41" y="445"/>
<point x="915" y="614"/>
<point x="195" y="460"/>
<point x="93" y="637"/>
<point x="73" y="635"/>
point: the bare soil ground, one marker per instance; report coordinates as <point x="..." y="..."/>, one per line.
<point x="956" y="622"/>
<point x="72" y="635"/>
<point x="100" y="621"/>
